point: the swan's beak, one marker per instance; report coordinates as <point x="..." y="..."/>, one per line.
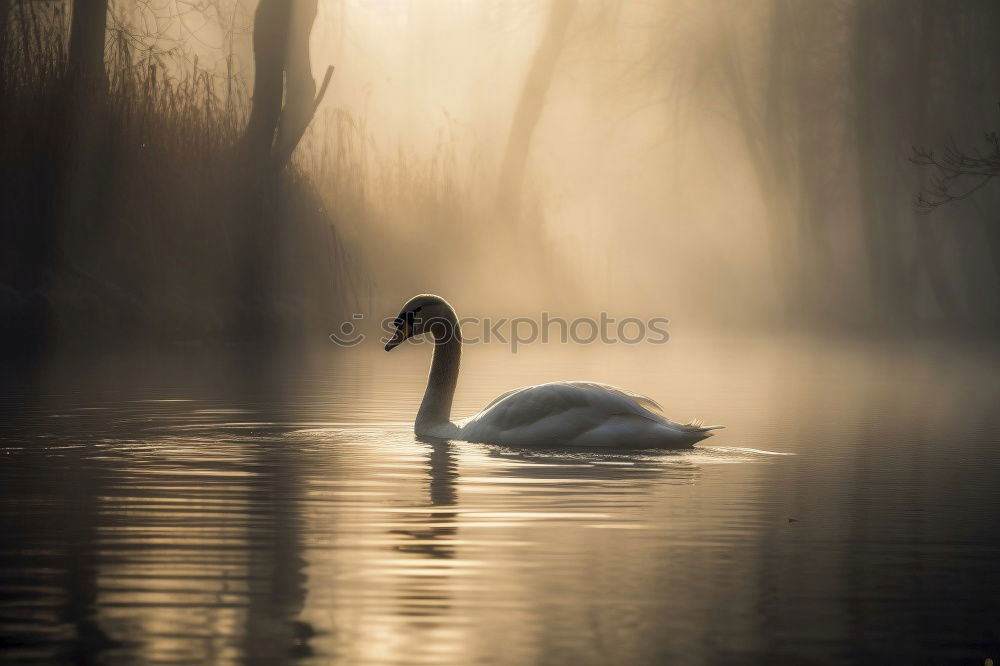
<point x="397" y="339"/>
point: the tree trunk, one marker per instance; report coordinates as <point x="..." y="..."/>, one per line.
<point x="761" y="123"/>
<point x="529" y="107"/>
<point x="927" y="237"/>
<point x="4" y="45"/>
<point x="4" y="15"/>
<point x="880" y="66"/>
<point x="86" y="44"/>
<point x="284" y="88"/>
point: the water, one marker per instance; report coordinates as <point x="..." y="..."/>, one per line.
<point x="198" y="508"/>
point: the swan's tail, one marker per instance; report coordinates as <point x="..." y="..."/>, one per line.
<point x="696" y="426"/>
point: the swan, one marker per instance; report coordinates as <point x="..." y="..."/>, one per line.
<point x="557" y="413"/>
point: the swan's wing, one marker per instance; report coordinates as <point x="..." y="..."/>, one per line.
<point x="577" y="413"/>
<point x="501" y="397"/>
<point x="589" y="401"/>
<point x="642" y="400"/>
<point x="638" y="398"/>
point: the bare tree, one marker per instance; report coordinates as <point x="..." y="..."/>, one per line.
<point x="284" y="96"/>
<point x="86" y="43"/>
<point x="530" y="105"/>
<point x="958" y="174"/>
<point x="4" y="15"/>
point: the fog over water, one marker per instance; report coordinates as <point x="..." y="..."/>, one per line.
<point x="284" y="513"/>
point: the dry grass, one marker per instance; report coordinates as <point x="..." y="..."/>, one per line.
<point x="131" y="215"/>
<point x="429" y="223"/>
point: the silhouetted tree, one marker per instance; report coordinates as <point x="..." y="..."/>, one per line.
<point x="4" y="15"/>
<point x="284" y="95"/>
<point x="771" y="68"/>
<point x="530" y="105"/>
<point x="959" y="174"/>
<point x="86" y="44"/>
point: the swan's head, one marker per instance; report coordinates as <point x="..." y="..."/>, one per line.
<point x="422" y="314"/>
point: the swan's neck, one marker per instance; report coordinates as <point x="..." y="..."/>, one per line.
<point x="436" y="406"/>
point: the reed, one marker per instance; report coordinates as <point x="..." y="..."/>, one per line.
<point x="127" y="212"/>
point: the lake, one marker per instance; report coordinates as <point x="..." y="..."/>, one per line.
<point x="191" y="507"/>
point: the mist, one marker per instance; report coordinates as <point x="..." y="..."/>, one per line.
<point x="764" y="165"/>
<point x="722" y="163"/>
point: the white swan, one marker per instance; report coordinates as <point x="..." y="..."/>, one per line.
<point x="559" y="413"/>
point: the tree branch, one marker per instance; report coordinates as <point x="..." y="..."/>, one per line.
<point x="953" y="172"/>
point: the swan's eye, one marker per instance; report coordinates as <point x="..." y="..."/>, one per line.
<point x="405" y="319"/>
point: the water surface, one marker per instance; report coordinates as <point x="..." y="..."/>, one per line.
<point x="195" y="507"/>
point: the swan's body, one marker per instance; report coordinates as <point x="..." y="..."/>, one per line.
<point x="559" y="413"/>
